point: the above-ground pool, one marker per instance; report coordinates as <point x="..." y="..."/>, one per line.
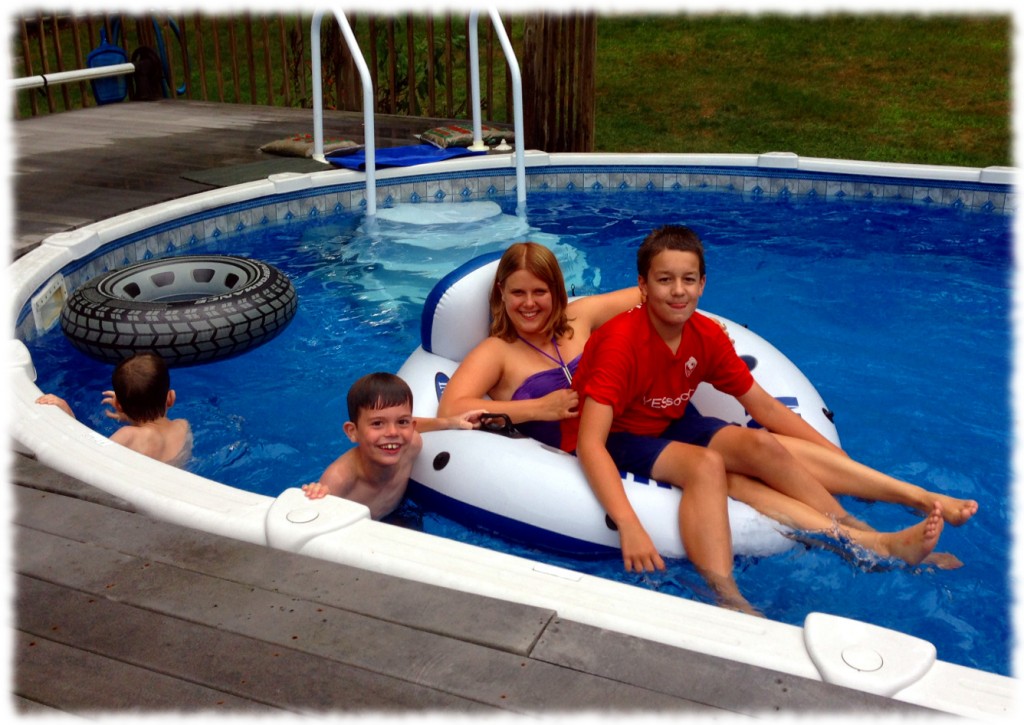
<point x="888" y="286"/>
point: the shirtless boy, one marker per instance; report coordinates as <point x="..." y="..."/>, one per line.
<point x="387" y="437"/>
<point x="141" y="397"/>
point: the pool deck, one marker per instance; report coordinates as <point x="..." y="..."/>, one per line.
<point x="117" y="612"/>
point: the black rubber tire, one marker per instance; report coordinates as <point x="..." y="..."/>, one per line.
<point x="188" y="310"/>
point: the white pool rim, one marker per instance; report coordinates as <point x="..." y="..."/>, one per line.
<point x="826" y="648"/>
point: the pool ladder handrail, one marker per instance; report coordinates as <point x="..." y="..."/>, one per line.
<point x="517" y="94"/>
<point x="369" y="105"/>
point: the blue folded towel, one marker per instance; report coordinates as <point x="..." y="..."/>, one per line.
<point x="400" y="156"/>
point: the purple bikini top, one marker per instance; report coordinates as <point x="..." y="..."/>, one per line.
<point x="537" y="386"/>
<point x="546" y="381"/>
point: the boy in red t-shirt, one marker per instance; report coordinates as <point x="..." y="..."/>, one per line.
<point x="635" y="380"/>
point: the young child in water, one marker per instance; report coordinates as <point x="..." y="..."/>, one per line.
<point x="141" y="397"/>
<point x="387" y="437"/>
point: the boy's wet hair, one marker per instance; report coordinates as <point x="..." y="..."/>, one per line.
<point x="541" y="262"/>
<point x="377" y="391"/>
<point x="141" y="384"/>
<point x="674" y="238"/>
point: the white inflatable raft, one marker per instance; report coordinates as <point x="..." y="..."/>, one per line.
<point x="534" y="494"/>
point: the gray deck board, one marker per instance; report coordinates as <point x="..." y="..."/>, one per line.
<point x="77" y="167"/>
<point x="91" y="682"/>
<point x="704" y="678"/>
<point x="502" y="625"/>
<point x="126" y="608"/>
<point x="245" y="667"/>
<point x="116" y="611"/>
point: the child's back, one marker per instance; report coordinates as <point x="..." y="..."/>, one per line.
<point x="141" y="397"/>
<point x="166" y="440"/>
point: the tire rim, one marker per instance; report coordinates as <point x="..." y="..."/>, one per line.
<point x="180" y="281"/>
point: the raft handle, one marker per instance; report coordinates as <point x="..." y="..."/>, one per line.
<point x="499" y="423"/>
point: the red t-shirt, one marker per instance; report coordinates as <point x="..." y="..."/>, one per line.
<point x="628" y="366"/>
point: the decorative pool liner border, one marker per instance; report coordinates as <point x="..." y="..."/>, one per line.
<point x="192" y="232"/>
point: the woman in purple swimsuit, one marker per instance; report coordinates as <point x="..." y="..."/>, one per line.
<point x="537" y="336"/>
<point x="524" y="370"/>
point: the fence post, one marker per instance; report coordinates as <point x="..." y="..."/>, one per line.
<point x="559" y="64"/>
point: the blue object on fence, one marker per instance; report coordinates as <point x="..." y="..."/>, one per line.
<point x="108" y="90"/>
<point x="165" y="60"/>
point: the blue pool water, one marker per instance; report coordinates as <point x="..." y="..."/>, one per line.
<point x="899" y="314"/>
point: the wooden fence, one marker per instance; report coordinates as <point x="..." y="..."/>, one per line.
<point x="419" y="65"/>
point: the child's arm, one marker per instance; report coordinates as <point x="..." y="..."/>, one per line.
<point x="109" y="398"/>
<point x="337" y="480"/>
<point x="57" y="401"/>
<point x="463" y="421"/>
<point x="778" y="418"/>
<point x="638" y="550"/>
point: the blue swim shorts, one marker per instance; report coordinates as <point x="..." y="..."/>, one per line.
<point x="637" y="454"/>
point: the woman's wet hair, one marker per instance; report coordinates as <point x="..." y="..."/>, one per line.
<point x="673" y="238"/>
<point x="541" y="262"/>
<point x="141" y="384"/>
<point x="377" y="391"/>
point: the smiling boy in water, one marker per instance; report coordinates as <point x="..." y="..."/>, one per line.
<point x="387" y="437"/>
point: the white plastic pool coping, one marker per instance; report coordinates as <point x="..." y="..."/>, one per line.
<point x="826" y="648"/>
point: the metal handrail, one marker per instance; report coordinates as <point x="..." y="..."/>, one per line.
<point x="69" y="76"/>
<point x="368" y="104"/>
<point x="368" y="99"/>
<point x="517" y="95"/>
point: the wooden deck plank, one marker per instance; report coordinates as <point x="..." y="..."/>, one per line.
<point x="77" y="167"/>
<point x="448" y="664"/>
<point x="505" y="626"/>
<point x="91" y="683"/>
<point x="706" y="679"/>
<point x="24" y="706"/>
<point x="244" y="667"/>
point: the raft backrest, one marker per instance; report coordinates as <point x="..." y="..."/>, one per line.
<point x="456" y="314"/>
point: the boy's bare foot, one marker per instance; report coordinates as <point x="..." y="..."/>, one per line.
<point x="740" y="605"/>
<point x="914" y="543"/>
<point x="956" y="511"/>
<point x="942" y="560"/>
<point x="727" y="594"/>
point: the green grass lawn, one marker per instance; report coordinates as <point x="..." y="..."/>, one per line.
<point x="931" y="89"/>
<point x="903" y="88"/>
